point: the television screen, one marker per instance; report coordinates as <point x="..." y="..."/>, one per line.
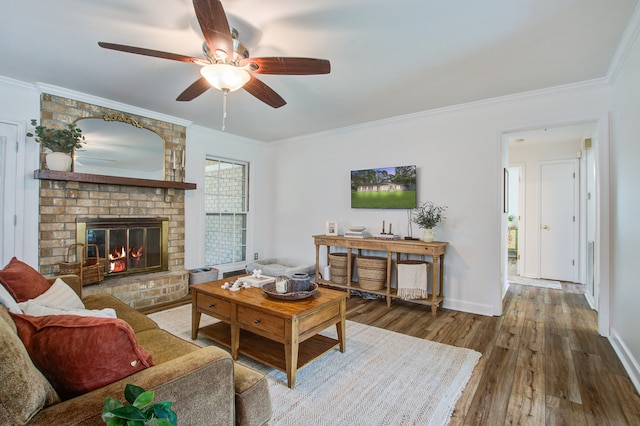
<point x="384" y="188"/>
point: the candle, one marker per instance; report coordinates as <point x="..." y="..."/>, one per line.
<point x="183" y="155"/>
<point x="174" y="160"/>
<point x="390" y="225"/>
<point x="383" y="226"/>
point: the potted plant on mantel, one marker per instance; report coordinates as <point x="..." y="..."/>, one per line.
<point x="427" y="216"/>
<point x="60" y="143"/>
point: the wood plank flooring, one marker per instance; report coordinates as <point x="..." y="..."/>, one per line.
<point x="543" y="362"/>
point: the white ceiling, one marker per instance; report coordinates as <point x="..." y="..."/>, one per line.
<point x="388" y="58"/>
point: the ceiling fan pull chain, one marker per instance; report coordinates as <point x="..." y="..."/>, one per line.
<point x="224" y="108"/>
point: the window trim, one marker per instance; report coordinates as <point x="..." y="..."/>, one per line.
<point x="240" y="264"/>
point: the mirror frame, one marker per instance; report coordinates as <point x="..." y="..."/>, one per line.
<point x="127" y="119"/>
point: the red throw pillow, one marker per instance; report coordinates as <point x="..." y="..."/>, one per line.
<point x="79" y="354"/>
<point x="22" y="281"/>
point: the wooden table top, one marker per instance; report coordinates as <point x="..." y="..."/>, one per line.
<point x="257" y="298"/>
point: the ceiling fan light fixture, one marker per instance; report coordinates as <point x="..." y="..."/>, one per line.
<point x="225" y="77"/>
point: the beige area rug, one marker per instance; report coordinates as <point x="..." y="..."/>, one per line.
<point x="516" y="279"/>
<point x="384" y="378"/>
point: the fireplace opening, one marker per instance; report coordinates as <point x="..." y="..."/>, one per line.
<point x="129" y="246"/>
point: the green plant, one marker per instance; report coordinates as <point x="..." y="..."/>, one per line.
<point x="141" y="412"/>
<point x="428" y="215"/>
<point x="511" y="217"/>
<point x="58" y="140"/>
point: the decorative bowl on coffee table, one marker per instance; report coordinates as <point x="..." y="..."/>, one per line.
<point x="270" y="290"/>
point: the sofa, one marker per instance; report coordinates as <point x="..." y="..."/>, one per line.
<point x="205" y="385"/>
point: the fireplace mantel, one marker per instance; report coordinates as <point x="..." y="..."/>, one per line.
<point x="110" y="180"/>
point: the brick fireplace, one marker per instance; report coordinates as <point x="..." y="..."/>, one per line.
<point x="63" y="204"/>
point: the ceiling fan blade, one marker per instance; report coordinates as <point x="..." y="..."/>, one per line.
<point x="263" y="92"/>
<point x="198" y="87"/>
<point x="288" y="65"/>
<point x="214" y="25"/>
<point x="148" y="52"/>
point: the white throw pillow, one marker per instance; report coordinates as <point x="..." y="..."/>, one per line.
<point x="7" y="300"/>
<point x="33" y="308"/>
<point x="59" y="296"/>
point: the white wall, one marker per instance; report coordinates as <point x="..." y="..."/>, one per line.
<point x="625" y="201"/>
<point x="531" y="156"/>
<point x="203" y="142"/>
<point x="460" y="161"/>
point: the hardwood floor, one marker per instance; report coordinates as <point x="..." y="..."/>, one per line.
<point x="543" y="362"/>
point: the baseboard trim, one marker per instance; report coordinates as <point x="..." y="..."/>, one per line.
<point x="627" y="359"/>
<point x="473" y="308"/>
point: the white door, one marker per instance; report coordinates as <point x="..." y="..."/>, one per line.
<point x="8" y="162"/>
<point x="558" y="220"/>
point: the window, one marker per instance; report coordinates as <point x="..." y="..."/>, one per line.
<point x="226" y="205"/>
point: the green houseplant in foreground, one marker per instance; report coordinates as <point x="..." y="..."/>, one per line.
<point x="427" y="216"/>
<point x="141" y="412"/>
<point x="61" y="143"/>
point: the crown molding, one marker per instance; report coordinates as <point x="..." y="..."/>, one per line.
<point x="627" y="41"/>
<point x="17" y="83"/>
<point x="103" y="102"/>
<point x="453" y="108"/>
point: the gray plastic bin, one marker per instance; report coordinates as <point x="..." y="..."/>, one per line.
<point x="202" y="275"/>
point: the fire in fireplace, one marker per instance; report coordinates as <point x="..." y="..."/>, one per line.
<point x="129" y="245"/>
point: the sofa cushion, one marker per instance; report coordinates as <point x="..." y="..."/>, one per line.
<point x="30" y="307"/>
<point x="7" y="300"/>
<point x="164" y="346"/>
<point x="137" y="320"/>
<point x="60" y="295"/>
<point x="80" y="354"/>
<point x="22" y="281"/>
<point x="24" y="390"/>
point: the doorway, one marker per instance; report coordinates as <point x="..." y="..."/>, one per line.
<point x="8" y="178"/>
<point x="551" y="231"/>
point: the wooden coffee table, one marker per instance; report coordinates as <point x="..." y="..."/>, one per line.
<point x="281" y="334"/>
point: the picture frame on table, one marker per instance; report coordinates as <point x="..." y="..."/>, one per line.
<point x="331" y="228"/>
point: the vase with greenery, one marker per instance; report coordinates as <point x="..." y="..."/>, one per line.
<point x="61" y="143"/>
<point x="141" y="412"/>
<point x="427" y="216"/>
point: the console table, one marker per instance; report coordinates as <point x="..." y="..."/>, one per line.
<point x="435" y="250"/>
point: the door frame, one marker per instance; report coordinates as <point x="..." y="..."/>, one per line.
<point x="12" y="219"/>
<point x="603" y="213"/>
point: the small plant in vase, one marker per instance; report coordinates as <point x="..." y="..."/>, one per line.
<point x="427" y="216"/>
<point x="60" y="143"/>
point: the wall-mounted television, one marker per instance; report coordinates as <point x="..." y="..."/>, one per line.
<point x="384" y="188"/>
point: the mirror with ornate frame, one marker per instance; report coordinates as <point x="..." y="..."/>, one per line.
<point x="117" y="145"/>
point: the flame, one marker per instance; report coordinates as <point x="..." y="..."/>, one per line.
<point x="117" y="260"/>
<point x="119" y="254"/>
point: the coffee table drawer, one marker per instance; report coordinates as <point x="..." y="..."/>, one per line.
<point x="260" y="323"/>
<point x="213" y="306"/>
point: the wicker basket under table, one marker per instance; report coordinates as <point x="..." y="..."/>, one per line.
<point x="372" y="272"/>
<point x="89" y="269"/>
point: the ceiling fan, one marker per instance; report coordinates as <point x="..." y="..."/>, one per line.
<point x="226" y="64"/>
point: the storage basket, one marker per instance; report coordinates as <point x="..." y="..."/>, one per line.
<point x="372" y="272"/>
<point x="338" y="262"/>
<point x="89" y="269"/>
